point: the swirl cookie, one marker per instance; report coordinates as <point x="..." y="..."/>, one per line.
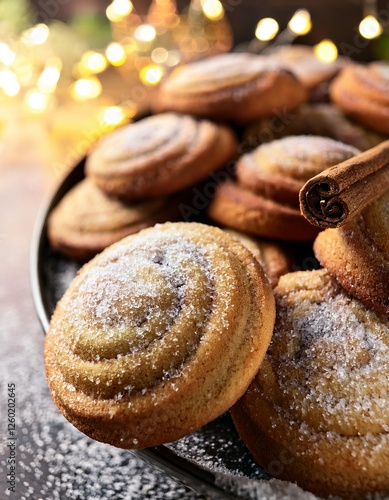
<point x="302" y="61"/>
<point x="316" y="413"/>
<point x="274" y="259"/>
<point x="279" y="169"/>
<point x="236" y="87"/>
<point x="86" y="220"/>
<point x="314" y="119"/>
<point x="159" y="155"/>
<point x="362" y="91"/>
<point x="357" y="254"/>
<point x="158" y="335"/>
<point x="264" y="200"/>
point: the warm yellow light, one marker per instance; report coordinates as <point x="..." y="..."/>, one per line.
<point x="37" y="35"/>
<point x="94" y="61"/>
<point x="9" y="82"/>
<point x="159" y="55"/>
<point x="11" y="88"/>
<point x="145" y="33"/>
<point x="326" y="51"/>
<point x="115" y="54"/>
<point x="113" y="115"/>
<point x="212" y="9"/>
<point x="300" y="24"/>
<point x="151" y="74"/>
<point x="86" y="88"/>
<point x="118" y="9"/>
<point x="36" y="101"/>
<point x="370" y="28"/>
<point x="47" y="82"/>
<point x="174" y="58"/>
<point x="267" y="28"/>
<point x="7" y="55"/>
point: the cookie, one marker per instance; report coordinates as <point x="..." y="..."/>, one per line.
<point x="159" y="334"/>
<point x="274" y="258"/>
<point x="87" y="220"/>
<point x="357" y="254"/>
<point x="362" y="91"/>
<point x="316" y="413"/>
<point x="159" y="155"/>
<point x="236" y="87"/>
<point x="322" y="119"/>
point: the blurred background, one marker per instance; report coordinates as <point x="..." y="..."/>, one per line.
<point x="73" y="70"/>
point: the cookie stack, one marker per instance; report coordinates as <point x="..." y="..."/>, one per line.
<point x="168" y="328"/>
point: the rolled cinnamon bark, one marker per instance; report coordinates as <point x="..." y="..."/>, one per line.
<point x="341" y="192"/>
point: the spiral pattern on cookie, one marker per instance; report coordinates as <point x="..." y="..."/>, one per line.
<point x="362" y="92"/>
<point x="238" y="87"/>
<point x="321" y="395"/>
<point x="159" y="155"/>
<point x="158" y="335"/>
<point x="87" y="220"/>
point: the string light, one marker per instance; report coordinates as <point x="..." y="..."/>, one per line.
<point x="300" y="24"/>
<point x="266" y="30"/>
<point x="86" y="88"/>
<point x="145" y="33"/>
<point x="37" y="35"/>
<point x="7" y="55"/>
<point x="94" y="62"/>
<point x="326" y="51"/>
<point x="116" y="54"/>
<point x="151" y="74"/>
<point x="118" y="10"/>
<point x="36" y="101"/>
<point x="370" y="27"/>
<point x="159" y="55"/>
<point x="212" y="9"/>
<point x="9" y="83"/>
<point x="48" y="79"/>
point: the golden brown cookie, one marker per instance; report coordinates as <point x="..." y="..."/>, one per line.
<point x="159" y="155"/>
<point x="238" y="207"/>
<point x="274" y="258"/>
<point x="279" y="169"/>
<point x="87" y="220"/>
<point x="238" y="87"/>
<point x="317" y="411"/>
<point x="357" y="254"/>
<point x="322" y="119"/>
<point x="265" y="199"/>
<point x="362" y="91"/>
<point x="158" y="335"/>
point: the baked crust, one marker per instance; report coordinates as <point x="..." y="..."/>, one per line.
<point x="357" y="254"/>
<point x="240" y="208"/>
<point x="316" y="413"/>
<point x="87" y="220"/>
<point x="234" y="87"/>
<point x="159" y="155"/>
<point x="279" y="169"/>
<point x="158" y="335"/>
<point x="362" y="91"/>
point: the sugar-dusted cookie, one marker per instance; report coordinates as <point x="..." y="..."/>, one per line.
<point x="159" y="155"/>
<point x="317" y="411"/>
<point x="87" y="220"/>
<point x="159" y="334"/>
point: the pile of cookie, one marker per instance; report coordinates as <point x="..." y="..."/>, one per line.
<point x="170" y="327"/>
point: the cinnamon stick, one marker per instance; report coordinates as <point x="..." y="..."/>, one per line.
<point x="341" y="192"/>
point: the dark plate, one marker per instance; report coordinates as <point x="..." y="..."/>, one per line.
<point x="213" y="460"/>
